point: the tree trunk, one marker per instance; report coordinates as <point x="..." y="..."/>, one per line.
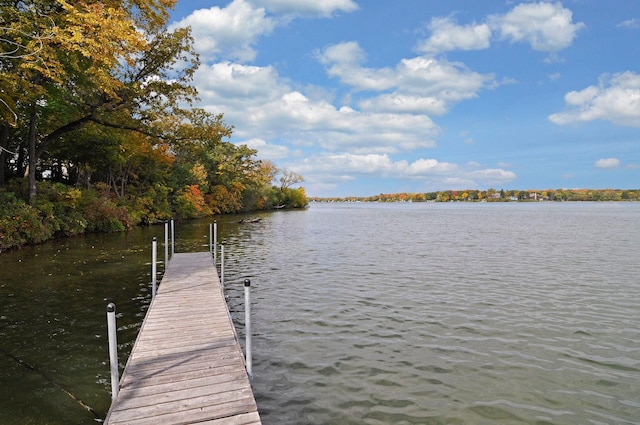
<point x="4" y="143"/>
<point x="32" y="157"/>
<point x="20" y="164"/>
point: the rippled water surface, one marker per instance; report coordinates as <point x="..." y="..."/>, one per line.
<point x="364" y="314"/>
<point x="447" y="313"/>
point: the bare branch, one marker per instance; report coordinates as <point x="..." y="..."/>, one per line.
<point x="7" y="151"/>
<point x="15" y="116"/>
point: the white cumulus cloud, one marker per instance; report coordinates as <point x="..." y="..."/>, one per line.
<point x="446" y="35"/>
<point x="616" y="98"/>
<point x="547" y="27"/>
<point x="343" y="60"/>
<point x="607" y="163"/>
<point x="342" y="167"/>
<point x="229" y="32"/>
<point x="422" y="167"/>
<point x="419" y="85"/>
<point x="261" y="106"/>
<point x="307" y="8"/>
<point x="633" y="23"/>
<point x="375" y="165"/>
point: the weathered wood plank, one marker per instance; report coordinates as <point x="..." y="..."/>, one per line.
<point x="179" y="361"/>
<point x="216" y="391"/>
<point x="246" y="419"/>
<point x="186" y="365"/>
<point x="188" y="380"/>
<point x="189" y="415"/>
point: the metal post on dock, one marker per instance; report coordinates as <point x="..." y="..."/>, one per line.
<point x="211" y="238"/>
<point x="154" y="266"/>
<point x="173" y="237"/>
<point x="113" y="349"/>
<point x="166" y="245"/>
<point x="215" y="241"/>
<point x="247" y="330"/>
<point x="222" y="264"/>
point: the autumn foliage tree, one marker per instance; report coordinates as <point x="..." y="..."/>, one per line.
<point x="99" y="95"/>
<point x="110" y="63"/>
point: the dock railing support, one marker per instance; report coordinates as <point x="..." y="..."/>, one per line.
<point x="166" y="245"/>
<point x="215" y="241"/>
<point x="222" y="264"/>
<point x="173" y="237"/>
<point x="113" y="349"/>
<point x="211" y="238"/>
<point x="154" y="267"/>
<point x="247" y="325"/>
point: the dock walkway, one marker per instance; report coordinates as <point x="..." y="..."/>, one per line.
<point x="186" y="365"/>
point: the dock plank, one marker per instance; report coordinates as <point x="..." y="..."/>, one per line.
<point x="186" y="365"/>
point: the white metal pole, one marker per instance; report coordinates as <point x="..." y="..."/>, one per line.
<point x="113" y="349"/>
<point x="210" y="238"/>
<point x="222" y="265"/>
<point x="154" y="266"/>
<point x="173" y="238"/>
<point x="166" y="245"/>
<point x="247" y="325"/>
<point x="215" y="241"/>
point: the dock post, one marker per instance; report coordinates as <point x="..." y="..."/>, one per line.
<point x="247" y="325"/>
<point x="113" y="349"/>
<point x="166" y="245"/>
<point x="173" y="238"/>
<point x="211" y="238"/>
<point x="154" y="266"/>
<point x="215" y="241"/>
<point x="222" y="264"/>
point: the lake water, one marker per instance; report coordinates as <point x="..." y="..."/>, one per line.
<point x="454" y="313"/>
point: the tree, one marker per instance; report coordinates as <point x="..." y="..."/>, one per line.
<point x="99" y="94"/>
<point x="230" y="170"/>
<point x="109" y="63"/>
<point x="296" y="198"/>
<point x="444" y="196"/>
<point x="258" y="193"/>
<point x="288" y="179"/>
<point x="48" y="36"/>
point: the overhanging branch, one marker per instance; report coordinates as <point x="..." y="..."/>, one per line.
<point x="123" y="127"/>
<point x="79" y="123"/>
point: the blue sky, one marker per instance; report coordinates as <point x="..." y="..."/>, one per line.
<point x="363" y="97"/>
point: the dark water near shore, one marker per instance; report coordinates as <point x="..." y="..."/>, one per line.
<point x="362" y="314"/>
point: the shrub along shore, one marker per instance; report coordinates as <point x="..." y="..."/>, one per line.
<point x="62" y="211"/>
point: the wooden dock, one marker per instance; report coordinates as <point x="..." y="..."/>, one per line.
<point x="186" y="365"/>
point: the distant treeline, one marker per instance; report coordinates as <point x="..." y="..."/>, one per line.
<point x="493" y="195"/>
